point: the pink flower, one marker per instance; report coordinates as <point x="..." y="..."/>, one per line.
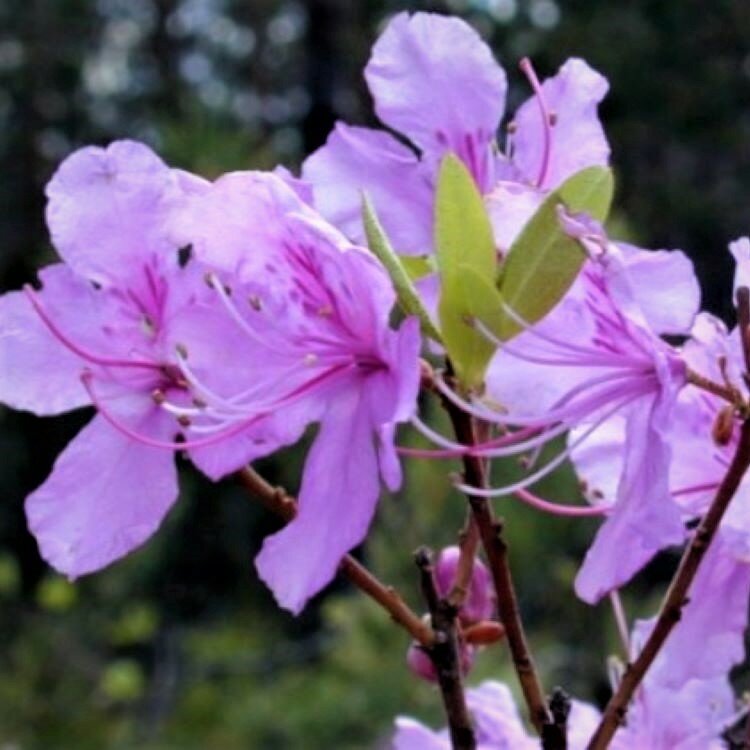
<point x="99" y="331"/>
<point x="596" y="355"/>
<point x="310" y="312"/>
<point x="435" y="81"/>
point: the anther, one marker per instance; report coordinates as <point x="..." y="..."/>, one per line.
<point x="552" y="119"/>
<point x="158" y="396"/>
<point x="182" y="351"/>
<point x="148" y="325"/>
<point x="325" y="311"/>
<point x="199" y="403"/>
<point x="184" y="421"/>
<point x="255" y="302"/>
<point x="511" y="127"/>
<point x="310" y="359"/>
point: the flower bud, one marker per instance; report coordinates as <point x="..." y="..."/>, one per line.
<point x="480" y="601"/>
<point x="421" y="665"/>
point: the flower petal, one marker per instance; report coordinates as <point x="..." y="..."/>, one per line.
<point x="411" y="735"/>
<point x="108" y="208"/>
<point x="496" y="716"/>
<point x="258" y="440"/>
<point x="336" y="503"/>
<point x="740" y="250"/>
<point x="356" y="160"/>
<point x="578" y="139"/>
<point x="644" y="520"/>
<point x="510" y="205"/>
<point x="106" y="496"/>
<point x="37" y="373"/>
<point x="665" y="287"/>
<point x="434" y="80"/>
<point x="721" y="585"/>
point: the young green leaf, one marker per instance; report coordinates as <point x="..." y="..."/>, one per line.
<point x="467" y="261"/>
<point x="406" y="294"/>
<point x="417" y="266"/>
<point x="471" y="296"/>
<point x="543" y="262"/>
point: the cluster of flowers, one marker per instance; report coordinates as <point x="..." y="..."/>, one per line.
<point x="222" y="319"/>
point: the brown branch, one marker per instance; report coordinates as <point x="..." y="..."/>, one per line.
<point x="445" y="656"/>
<point x="728" y="393"/>
<point x="676" y="596"/>
<point x="468" y="545"/>
<point x="283" y="505"/>
<point x="496" y="549"/>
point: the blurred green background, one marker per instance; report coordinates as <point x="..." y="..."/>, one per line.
<point x="180" y="646"/>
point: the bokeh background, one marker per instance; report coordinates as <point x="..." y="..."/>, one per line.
<point x="180" y="646"/>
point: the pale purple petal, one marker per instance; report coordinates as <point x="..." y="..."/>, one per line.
<point x="665" y="716"/>
<point x="259" y="439"/>
<point x="108" y="208"/>
<point x="337" y="500"/>
<point x="740" y="250"/>
<point x="37" y="373"/>
<point x="510" y="205"/>
<point x="665" y="287"/>
<point x="498" y="723"/>
<point x="238" y="223"/>
<point x="598" y="459"/>
<point x="359" y="160"/>
<point x="644" y="520"/>
<point x="721" y="585"/>
<point x="300" y="186"/>
<point x="107" y="495"/>
<point x="582" y="722"/>
<point x="435" y="81"/>
<point x="525" y="387"/>
<point x="411" y="735"/>
<point x="578" y="139"/>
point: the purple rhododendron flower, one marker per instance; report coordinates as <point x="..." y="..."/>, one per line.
<point x="99" y="331"/>
<point x="672" y="715"/>
<point x="661" y="717"/>
<point x="602" y="343"/>
<point x="309" y="312"/>
<point x="723" y="581"/>
<point x="498" y="724"/>
<point x="436" y="82"/>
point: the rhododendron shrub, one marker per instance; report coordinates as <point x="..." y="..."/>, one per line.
<point x="440" y="261"/>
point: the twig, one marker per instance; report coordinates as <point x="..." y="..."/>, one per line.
<point x="285" y="506"/>
<point x="724" y="391"/>
<point x="555" y="735"/>
<point x="676" y="597"/>
<point x="496" y="549"/>
<point x="445" y="657"/>
<point x="468" y="545"/>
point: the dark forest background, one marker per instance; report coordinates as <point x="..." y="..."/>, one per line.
<point x="179" y="646"/>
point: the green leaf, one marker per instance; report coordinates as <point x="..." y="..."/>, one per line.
<point x="467" y="261"/>
<point x="406" y="294"/>
<point x="471" y="297"/>
<point x="418" y="266"/>
<point x="543" y="262"/>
